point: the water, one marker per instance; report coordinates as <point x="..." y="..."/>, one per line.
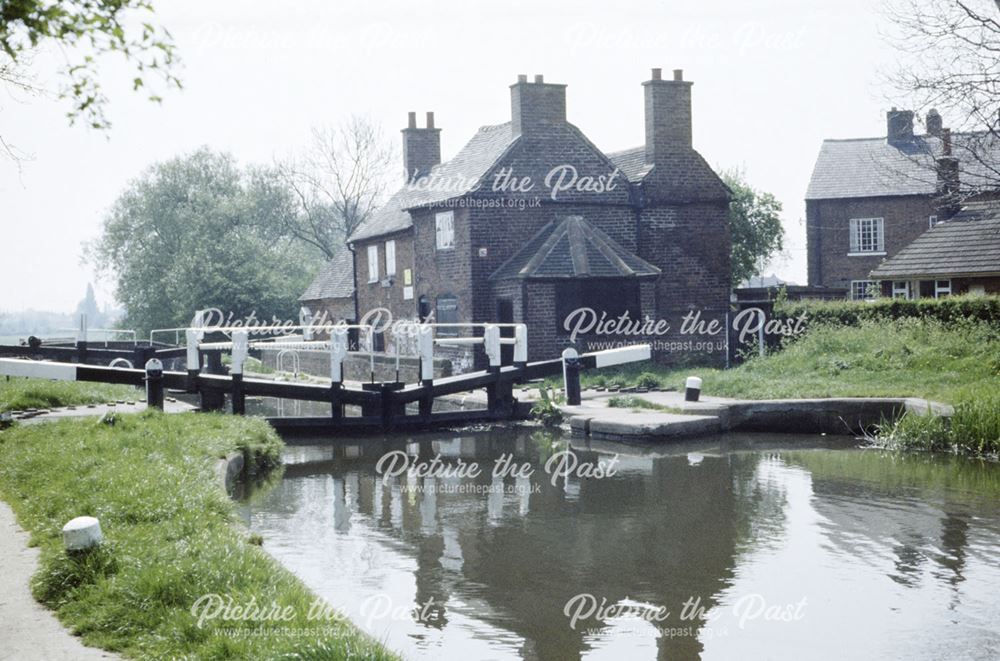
<point x="742" y="547"/>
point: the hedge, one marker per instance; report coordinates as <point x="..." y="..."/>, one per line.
<point x="851" y="313"/>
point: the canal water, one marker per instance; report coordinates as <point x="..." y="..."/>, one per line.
<point x="738" y="547"/>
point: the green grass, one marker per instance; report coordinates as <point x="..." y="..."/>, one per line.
<point x="906" y="357"/>
<point x="974" y="429"/>
<point x="18" y="394"/>
<point x="170" y="537"/>
<point x="635" y="403"/>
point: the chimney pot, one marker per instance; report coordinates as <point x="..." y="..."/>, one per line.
<point x="430" y="119"/>
<point x="411" y="120"/>
<point x="657" y="74"/>
<point x="539" y="78"/>
<point x="522" y="77"/>
<point x="678" y="74"/>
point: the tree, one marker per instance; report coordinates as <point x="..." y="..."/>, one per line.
<point x="84" y="30"/>
<point x="199" y="232"/>
<point x="951" y="63"/>
<point x="754" y="225"/>
<point x="337" y="182"/>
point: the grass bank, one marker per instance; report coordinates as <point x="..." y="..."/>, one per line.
<point x="956" y="362"/>
<point x="18" y="394"/>
<point x="170" y="538"/>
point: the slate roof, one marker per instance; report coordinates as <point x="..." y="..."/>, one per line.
<point x="447" y="180"/>
<point x="967" y="244"/>
<point x="871" y="167"/>
<point x="573" y="248"/>
<point x="632" y="163"/>
<point x="334" y="280"/>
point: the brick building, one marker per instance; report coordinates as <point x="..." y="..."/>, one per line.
<point x="869" y="198"/>
<point x="961" y="256"/>
<point x="530" y="221"/>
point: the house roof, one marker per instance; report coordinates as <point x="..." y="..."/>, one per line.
<point x="573" y="248"/>
<point x="872" y="167"/>
<point x="334" y="280"/>
<point x="632" y="163"/>
<point x="967" y="244"/>
<point x="448" y="180"/>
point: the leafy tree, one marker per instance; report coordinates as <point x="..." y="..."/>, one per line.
<point x="84" y="30"/>
<point x="199" y="232"/>
<point x="755" y="226"/>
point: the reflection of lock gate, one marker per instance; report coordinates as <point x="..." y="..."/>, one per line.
<point x="383" y="404"/>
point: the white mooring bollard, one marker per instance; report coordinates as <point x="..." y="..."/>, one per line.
<point x="82" y="533"/>
<point x="692" y="389"/>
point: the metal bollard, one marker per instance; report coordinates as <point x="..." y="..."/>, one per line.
<point x="571" y="376"/>
<point x="154" y="384"/>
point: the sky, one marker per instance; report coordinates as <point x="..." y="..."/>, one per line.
<point x="772" y="79"/>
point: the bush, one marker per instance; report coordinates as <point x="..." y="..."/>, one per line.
<point x="648" y="380"/>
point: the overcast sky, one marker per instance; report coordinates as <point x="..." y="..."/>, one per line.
<point x="772" y="78"/>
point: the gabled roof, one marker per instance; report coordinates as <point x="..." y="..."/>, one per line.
<point x="967" y="244"/>
<point x="573" y="248"/>
<point x="334" y="280"/>
<point x="447" y="180"/>
<point x="872" y="167"/>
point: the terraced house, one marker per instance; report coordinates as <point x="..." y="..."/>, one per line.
<point x="869" y="199"/>
<point x="530" y="221"/>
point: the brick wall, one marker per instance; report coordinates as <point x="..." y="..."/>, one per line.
<point x="828" y="234"/>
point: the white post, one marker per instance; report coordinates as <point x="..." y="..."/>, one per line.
<point x="760" y="332"/>
<point x="305" y="319"/>
<point x="370" y="343"/>
<point x="241" y="349"/>
<point x="81" y="334"/>
<point x="520" y="344"/>
<point x="491" y="340"/>
<point x="425" y="346"/>
<point x="193" y="364"/>
<point x="338" y="351"/>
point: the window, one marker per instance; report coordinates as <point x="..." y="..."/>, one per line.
<point x="867" y="235"/>
<point x="863" y="290"/>
<point x="931" y="222"/>
<point x="446" y="313"/>
<point x="390" y="258"/>
<point x="444" y="225"/>
<point x="901" y="289"/>
<point x="373" y="263"/>
<point x="942" y="288"/>
<point x="610" y="297"/>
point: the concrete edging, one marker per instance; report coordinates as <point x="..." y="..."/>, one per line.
<point x="229" y="469"/>
<point x="834" y="416"/>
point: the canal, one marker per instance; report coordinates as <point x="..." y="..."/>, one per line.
<point x="489" y="546"/>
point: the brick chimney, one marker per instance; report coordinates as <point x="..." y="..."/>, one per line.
<point x="535" y="106"/>
<point x="421" y="147"/>
<point x="899" y="126"/>
<point x="949" y="198"/>
<point x="668" y="115"/>
<point x="934" y="122"/>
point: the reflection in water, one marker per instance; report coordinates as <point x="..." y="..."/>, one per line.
<point x="746" y="547"/>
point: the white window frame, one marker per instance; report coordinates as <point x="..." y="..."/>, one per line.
<point x="373" y="263"/>
<point x="932" y="222"/>
<point x="942" y="290"/>
<point x="901" y="289"/>
<point x="390" y="257"/>
<point x="870" y="286"/>
<point x="867" y="237"/>
<point x="444" y="230"/>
